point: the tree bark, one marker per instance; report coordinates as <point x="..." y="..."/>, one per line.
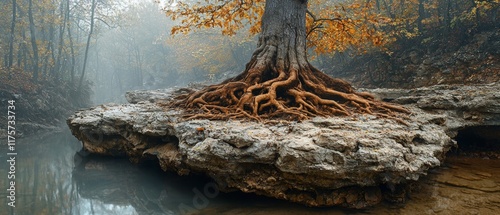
<point x="281" y="48"/>
<point x="284" y="28"/>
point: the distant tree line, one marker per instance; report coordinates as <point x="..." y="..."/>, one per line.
<point x="46" y="42"/>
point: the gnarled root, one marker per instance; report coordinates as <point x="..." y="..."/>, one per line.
<point x="296" y="94"/>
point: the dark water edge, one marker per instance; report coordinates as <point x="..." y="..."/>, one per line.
<point x="51" y="180"/>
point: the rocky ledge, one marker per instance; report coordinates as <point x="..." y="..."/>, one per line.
<point x="348" y="161"/>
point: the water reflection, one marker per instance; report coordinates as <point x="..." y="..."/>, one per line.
<point x="145" y="188"/>
<point x="43" y="176"/>
<point x="50" y="180"/>
<point x="44" y="182"/>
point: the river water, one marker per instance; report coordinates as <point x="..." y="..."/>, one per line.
<point x="51" y="180"/>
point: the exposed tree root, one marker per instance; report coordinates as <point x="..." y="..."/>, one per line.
<point x="265" y="92"/>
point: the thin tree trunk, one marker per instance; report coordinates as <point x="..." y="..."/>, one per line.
<point x="33" y="40"/>
<point x="478" y="16"/>
<point x="73" y="60"/>
<point x="71" y="46"/>
<point x="138" y="65"/>
<point x="12" y="32"/>
<point x="24" y="56"/>
<point x="49" y="50"/>
<point x="421" y="15"/>
<point x="88" y="44"/>
<point x="62" y="28"/>
<point x="42" y="37"/>
<point x="388" y="7"/>
<point x="447" y="19"/>
<point x="22" y="47"/>
<point x="19" y="55"/>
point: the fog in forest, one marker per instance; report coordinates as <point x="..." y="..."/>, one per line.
<point x="136" y="51"/>
<point x="104" y="48"/>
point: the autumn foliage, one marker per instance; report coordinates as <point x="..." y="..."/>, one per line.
<point x="230" y="16"/>
<point x="335" y="26"/>
<point x="279" y="82"/>
<point x="330" y="26"/>
<point x="17" y="80"/>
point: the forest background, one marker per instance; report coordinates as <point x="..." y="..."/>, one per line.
<point x="60" y="55"/>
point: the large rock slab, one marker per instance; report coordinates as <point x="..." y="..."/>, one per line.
<point x="463" y="105"/>
<point x="347" y="161"/>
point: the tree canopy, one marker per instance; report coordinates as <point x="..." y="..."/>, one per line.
<point x="337" y="25"/>
<point x="331" y="25"/>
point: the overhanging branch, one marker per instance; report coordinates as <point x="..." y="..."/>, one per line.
<point x="318" y="22"/>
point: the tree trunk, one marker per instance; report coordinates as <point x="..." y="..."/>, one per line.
<point x="279" y="82"/>
<point x="59" y="65"/>
<point x="138" y="65"/>
<point x="33" y="40"/>
<point x="49" y="51"/>
<point x="284" y="33"/>
<point x="73" y="58"/>
<point x="12" y="32"/>
<point x="447" y="18"/>
<point x="88" y="44"/>
<point x="71" y="45"/>
<point x="24" y="51"/>
<point x="421" y="15"/>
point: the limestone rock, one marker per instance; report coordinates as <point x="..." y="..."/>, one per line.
<point x="460" y="106"/>
<point x="346" y="161"/>
<point x="319" y="162"/>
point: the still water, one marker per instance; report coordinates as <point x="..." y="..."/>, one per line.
<point x="51" y="180"/>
